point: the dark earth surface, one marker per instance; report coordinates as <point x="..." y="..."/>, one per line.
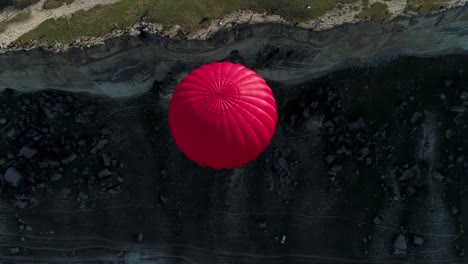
<point x="367" y="166"/>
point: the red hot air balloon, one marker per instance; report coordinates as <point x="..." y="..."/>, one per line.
<point x="222" y="115"/>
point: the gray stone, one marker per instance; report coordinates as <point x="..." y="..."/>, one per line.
<point x="448" y="83"/>
<point x="411" y="191"/>
<point x="407" y="174"/>
<point x="377" y="220"/>
<point x="416" y="170"/>
<point x="56" y="176"/>
<point x="100" y="145"/>
<point x="458" y="108"/>
<point x="415" y="117"/>
<point x="15" y="250"/>
<point x="31" y="133"/>
<point x="329" y="159"/>
<point x="329" y="123"/>
<point x="140" y="237"/>
<point x="448" y="134"/>
<point x="464" y="95"/>
<point x="11" y="133"/>
<point x="341" y="150"/>
<point x="400" y="245"/>
<point x="69" y="158"/>
<point x="83" y="195"/>
<point x="53" y="163"/>
<point x="106" y="131"/>
<point x="106" y="159"/>
<point x="336" y="168"/>
<point x="13" y="176"/>
<point x="356" y="125"/>
<point x="283" y="163"/>
<point x="105" y="173"/>
<point x="436" y="175"/>
<point x="21" y="204"/>
<point x="113" y="192"/>
<point x="418" y="241"/>
<point x="364" y="152"/>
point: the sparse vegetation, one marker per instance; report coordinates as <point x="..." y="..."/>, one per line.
<point x="22" y="16"/>
<point x="190" y="14"/>
<point x="376" y="11"/>
<point x="426" y="6"/>
<point x="52" y="4"/>
<point x="19" y="4"/>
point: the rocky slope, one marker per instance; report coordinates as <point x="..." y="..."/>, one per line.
<point x="132" y="63"/>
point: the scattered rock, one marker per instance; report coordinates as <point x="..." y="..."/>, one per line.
<point x="13" y="176"/>
<point x="448" y="134"/>
<point x="436" y="175"/>
<point x="329" y="159"/>
<point x="341" y="150"/>
<point x="27" y="152"/>
<point x="69" y="158"/>
<point x="411" y="190"/>
<point x="101" y="144"/>
<point x="106" y="159"/>
<point x="400" y="245"/>
<point x="458" y="108"/>
<point x="356" y="125"/>
<point x="377" y="220"/>
<point x="464" y="95"/>
<point x="448" y="83"/>
<point x="56" y="176"/>
<point x="415" y="117"/>
<point x="106" y="131"/>
<point x="21" y="204"/>
<point x="364" y="152"/>
<point x="283" y="163"/>
<point x="11" y="132"/>
<point x="418" y="241"/>
<point x="83" y="196"/>
<point x="329" y="123"/>
<point x="336" y="168"/>
<point x="14" y="250"/>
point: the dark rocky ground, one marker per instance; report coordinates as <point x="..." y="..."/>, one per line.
<point x="367" y="166"/>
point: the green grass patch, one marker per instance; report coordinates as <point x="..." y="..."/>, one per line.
<point x="426" y="6"/>
<point x="21" y="16"/>
<point x="377" y="11"/>
<point x="52" y="4"/>
<point x="189" y="14"/>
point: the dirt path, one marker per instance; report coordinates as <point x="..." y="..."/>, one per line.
<point x="38" y="15"/>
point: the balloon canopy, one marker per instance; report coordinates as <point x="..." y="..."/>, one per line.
<point x="222" y="115"/>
